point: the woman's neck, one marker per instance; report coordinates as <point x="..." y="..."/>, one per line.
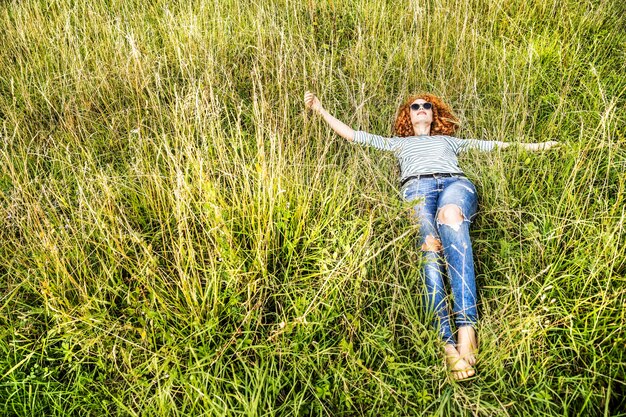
<point x="421" y="129"/>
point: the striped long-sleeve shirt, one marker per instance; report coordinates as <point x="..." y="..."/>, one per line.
<point x="419" y="155"/>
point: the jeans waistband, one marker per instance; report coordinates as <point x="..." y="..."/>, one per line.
<point x="442" y="175"/>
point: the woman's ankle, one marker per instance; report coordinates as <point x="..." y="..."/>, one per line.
<point x="450" y="349"/>
<point x="467" y="345"/>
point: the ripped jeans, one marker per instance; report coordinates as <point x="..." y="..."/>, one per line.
<point x="430" y="196"/>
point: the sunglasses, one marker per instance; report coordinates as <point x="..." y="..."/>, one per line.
<point x="425" y="106"/>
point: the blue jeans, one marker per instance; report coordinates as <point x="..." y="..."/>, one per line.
<point x="430" y="196"/>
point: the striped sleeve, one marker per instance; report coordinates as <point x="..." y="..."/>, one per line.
<point x="461" y="145"/>
<point x="376" y="141"/>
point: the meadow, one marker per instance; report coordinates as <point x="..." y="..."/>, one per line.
<point x="179" y="237"/>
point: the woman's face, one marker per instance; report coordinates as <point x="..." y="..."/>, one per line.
<point x="420" y="115"/>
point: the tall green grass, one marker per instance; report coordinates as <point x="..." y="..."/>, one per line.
<point x="179" y="237"/>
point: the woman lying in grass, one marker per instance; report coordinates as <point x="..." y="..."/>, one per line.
<point x="445" y="203"/>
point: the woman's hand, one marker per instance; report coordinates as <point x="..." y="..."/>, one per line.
<point x="312" y="102"/>
<point x="541" y="146"/>
<point x="547" y="145"/>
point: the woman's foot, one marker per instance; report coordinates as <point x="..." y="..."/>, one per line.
<point x="467" y="345"/>
<point x="459" y="368"/>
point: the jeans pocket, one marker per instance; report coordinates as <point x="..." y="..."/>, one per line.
<point x="424" y="189"/>
<point x="411" y="192"/>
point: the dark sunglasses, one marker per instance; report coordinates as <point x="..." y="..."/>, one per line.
<point x="425" y="106"/>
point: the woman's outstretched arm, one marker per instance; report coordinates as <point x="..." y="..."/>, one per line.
<point x="312" y="102"/>
<point x="541" y="146"/>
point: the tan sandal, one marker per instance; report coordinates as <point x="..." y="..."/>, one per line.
<point x="458" y="367"/>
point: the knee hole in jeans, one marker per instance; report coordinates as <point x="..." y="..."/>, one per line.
<point x="451" y="215"/>
<point x="432" y="244"/>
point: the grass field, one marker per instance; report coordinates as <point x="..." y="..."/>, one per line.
<point x="179" y="237"/>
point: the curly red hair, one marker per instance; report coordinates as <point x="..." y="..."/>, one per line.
<point x="444" y="121"/>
